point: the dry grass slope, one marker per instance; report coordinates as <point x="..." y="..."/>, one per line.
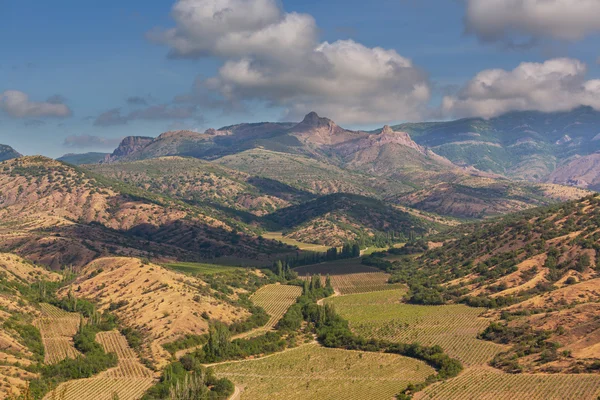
<point x="164" y="305"/>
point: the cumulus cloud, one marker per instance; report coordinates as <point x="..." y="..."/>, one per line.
<point x="275" y="57"/>
<point x="158" y="112"/>
<point x="555" y="85"/>
<point x="507" y="20"/>
<point x="18" y="105"/>
<point x="85" y="141"/>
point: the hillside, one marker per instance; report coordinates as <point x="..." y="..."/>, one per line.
<point x="525" y="145"/>
<point x="160" y="304"/>
<point x="193" y="179"/>
<point x="60" y="215"/>
<point x="538" y="269"/>
<point x="479" y="197"/>
<point x="344" y="218"/>
<point x="17" y="347"/>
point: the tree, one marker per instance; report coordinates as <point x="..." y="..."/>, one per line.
<point x="328" y="284"/>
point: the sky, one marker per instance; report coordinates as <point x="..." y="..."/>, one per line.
<point x="78" y="76"/>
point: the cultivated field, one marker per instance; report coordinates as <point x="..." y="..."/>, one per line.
<point x="129" y="365"/>
<point x="313" y="372"/>
<point x="101" y="389"/>
<point x="276" y="299"/>
<point x="128" y="380"/>
<point x="484" y="383"/>
<point x="350" y="276"/>
<point x="57" y="328"/>
<point x="381" y="315"/>
<point x="302" y="246"/>
<point x="200" y="268"/>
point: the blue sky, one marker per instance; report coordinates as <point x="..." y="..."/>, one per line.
<point x="78" y="64"/>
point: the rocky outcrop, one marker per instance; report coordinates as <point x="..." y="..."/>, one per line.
<point x="128" y="146"/>
<point x="323" y="131"/>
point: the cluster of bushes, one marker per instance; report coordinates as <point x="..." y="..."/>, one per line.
<point x="258" y="317"/>
<point x="30" y="335"/>
<point x="187" y="379"/>
<point x="220" y="347"/>
<point x="525" y="340"/>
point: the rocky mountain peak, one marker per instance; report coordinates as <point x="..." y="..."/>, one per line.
<point x="387" y="130"/>
<point x="128" y="145"/>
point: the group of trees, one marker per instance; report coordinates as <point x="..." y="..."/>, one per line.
<point x="348" y="250"/>
<point x="188" y="380"/>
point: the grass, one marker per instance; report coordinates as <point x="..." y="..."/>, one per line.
<point x="487" y="383"/>
<point x="312" y="372"/>
<point x="454" y="327"/>
<point x="302" y="246"/>
<point x="200" y="268"/>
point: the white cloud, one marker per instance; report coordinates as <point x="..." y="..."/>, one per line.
<point x="501" y="20"/>
<point x="555" y="85"/>
<point x="234" y="28"/>
<point x="275" y="57"/>
<point x="18" y="105"/>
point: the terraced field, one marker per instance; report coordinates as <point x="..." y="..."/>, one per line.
<point x="127" y="381"/>
<point x="57" y="328"/>
<point x="381" y="315"/>
<point x="129" y="365"/>
<point x="484" y="383"/>
<point x="102" y="389"/>
<point x="350" y="277"/>
<point x="312" y="372"/>
<point x="275" y="299"/>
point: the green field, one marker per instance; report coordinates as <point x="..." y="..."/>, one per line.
<point x="302" y="246"/>
<point x="488" y="384"/>
<point x="311" y="372"/>
<point x="275" y="300"/>
<point x="381" y="315"/>
<point x="200" y="268"/>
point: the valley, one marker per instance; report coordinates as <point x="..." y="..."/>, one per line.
<point x="294" y="260"/>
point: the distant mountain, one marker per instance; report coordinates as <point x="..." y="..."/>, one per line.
<point x="319" y="157"/>
<point x="8" y="153"/>
<point x="85" y="158"/>
<point x="525" y="145"/>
